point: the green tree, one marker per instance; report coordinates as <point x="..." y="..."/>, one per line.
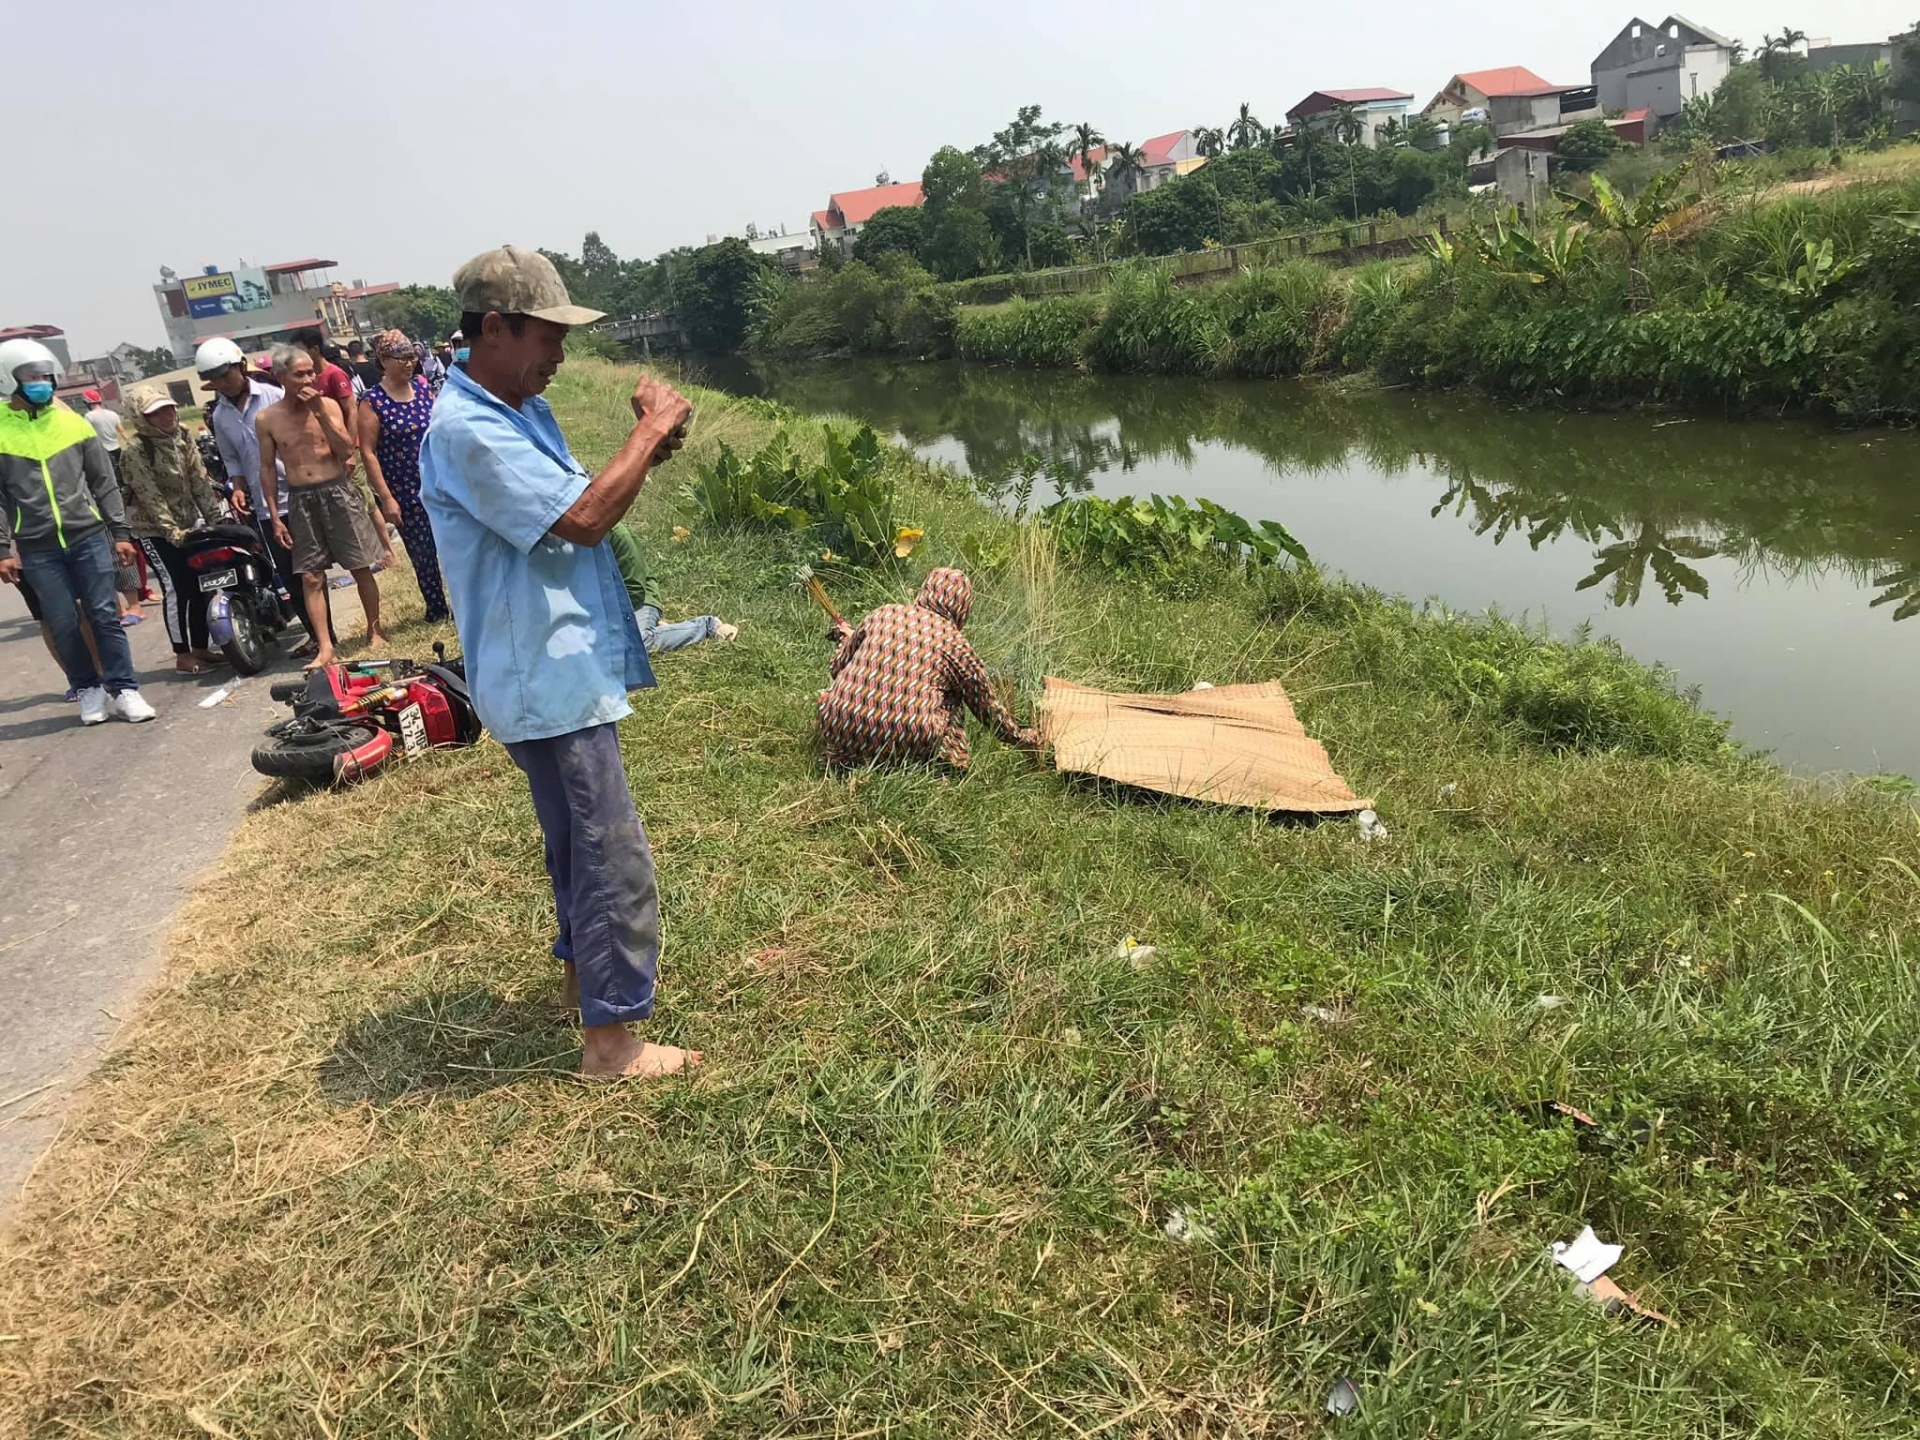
<point x="1085" y="141"/>
<point x="1125" y="166"/>
<point x="959" y="242"/>
<point x="1209" y="143"/>
<point x="714" y="299"/>
<point x="1025" y="158"/>
<point x="898" y="229"/>
<point x="424" y="312"/>
<point x="1182" y="215"/>
<point x="1636" y="221"/>
<point x="148" y="363"/>
<point x="1588" y="143"/>
<point x="1246" y="131"/>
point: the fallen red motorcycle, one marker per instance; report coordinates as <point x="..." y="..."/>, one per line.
<point x="349" y="719"/>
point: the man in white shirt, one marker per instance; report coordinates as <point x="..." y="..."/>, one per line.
<point x="105" y="424"/>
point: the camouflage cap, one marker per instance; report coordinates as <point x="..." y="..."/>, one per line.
<point x="145" y="399"/>
<point x="513" y="281"/>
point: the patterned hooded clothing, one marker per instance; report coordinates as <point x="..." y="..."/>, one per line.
<point x="165" y="480"/>
<point x="904" y="680"/>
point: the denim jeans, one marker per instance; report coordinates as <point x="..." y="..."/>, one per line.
<point x="601" y="868"/>
<point x="82" y="573"/>
<point x="660" y="638"/>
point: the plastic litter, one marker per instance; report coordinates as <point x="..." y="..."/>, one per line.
<point x="1549" y="1002"/>
<point x="225" y="692"/>
<point x="1323" y="1015"/>
<point x="340" y="582"/>
<point x="1369" y="826"/>
<point x="1449" y="790"/>
<point x="1134" y="953"/>
<point x="1343" y="1398"/>
<point x="1184" y="1228"/>
<point x="1203" y="685"/>
<point x="1589" y="1258"/>
<point x="1587" y="1255"/>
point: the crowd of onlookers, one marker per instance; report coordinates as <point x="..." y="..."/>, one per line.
<point x="315" y="448"/>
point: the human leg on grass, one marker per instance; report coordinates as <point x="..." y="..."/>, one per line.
<point x="661" y="637"/>
<point x="604" y="896"/>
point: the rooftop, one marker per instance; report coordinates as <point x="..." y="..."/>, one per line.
<point x="856" y="207"/>
<point x="1507" y="80"/>
<point x="30" y="332"/>
<point x="1321" y="100"/>
<point x="294" y="267"/>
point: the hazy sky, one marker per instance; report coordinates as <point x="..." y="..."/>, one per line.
<point x="399" y="138"/>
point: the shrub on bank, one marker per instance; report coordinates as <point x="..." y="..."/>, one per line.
<point x="892" y="307"/>
<point x="1038" y="334"/>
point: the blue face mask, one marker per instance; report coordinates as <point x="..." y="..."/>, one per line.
<point x="460" y="355"/>
<point x="37" y="392"/>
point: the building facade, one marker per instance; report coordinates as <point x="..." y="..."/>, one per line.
<point x="1661" y="67"/>
<point x="257" y="305"/>
<point x="1372" y="107"/>
<point x="849" y="210"/>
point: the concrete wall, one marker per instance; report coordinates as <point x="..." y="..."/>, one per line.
<point x="1524" y="176"/>
<point x="1861" y="57"/>
<point x="290" y="310"/>
<point x="1655" y="90"/>
<point x="1523" y="112"/>
<point x="1621" y="71"/>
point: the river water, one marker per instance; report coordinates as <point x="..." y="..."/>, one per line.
<point x="1744" y="555"/>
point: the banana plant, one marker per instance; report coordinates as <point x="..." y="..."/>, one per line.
<point x="1627" y="563"/>
<point x="1655" y="211"/>
<point x="1901" y="585"/>
<point x="1816" y="273"/>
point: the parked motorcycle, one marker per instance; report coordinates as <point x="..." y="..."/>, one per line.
<point x="246" y="608"/>
<point x="348" y="719"/>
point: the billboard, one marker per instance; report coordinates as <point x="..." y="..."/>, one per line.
<point x="231" y="292"/>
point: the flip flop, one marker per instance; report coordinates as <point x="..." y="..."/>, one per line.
<point x="129" y="621"/>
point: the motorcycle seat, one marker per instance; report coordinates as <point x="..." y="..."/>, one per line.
<point x="207" y="537"/>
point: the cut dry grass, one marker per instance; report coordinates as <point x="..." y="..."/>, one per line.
<point x="338" y="1180"/>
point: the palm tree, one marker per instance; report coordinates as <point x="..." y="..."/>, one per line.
<point x="1791" y="38"/>
<point x="1125" y="165"/>
<point x="1348" y="127"/>
<point x="1392" y="132"/>
<point x="1246" y="131"/>
<point x="1086" y="140"/>
<point x="1208" y="143"/>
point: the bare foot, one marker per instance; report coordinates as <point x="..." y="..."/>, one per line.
<point x="321" y="658"/>
<point x="376" y="640"/>
<point x="611" y="1052"/>
<point x="723" y="631"/>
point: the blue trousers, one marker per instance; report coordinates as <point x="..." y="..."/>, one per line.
<point x="601" y="867"/>
<point x="83" y="574"/>
<point x="659" y="638"/>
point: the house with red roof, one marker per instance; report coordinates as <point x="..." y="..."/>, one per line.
<point x="1161" y="158"/>
<point x="848" y="210"/>
<point x="1510" y="99"/>
<point x="1372" y="106"/>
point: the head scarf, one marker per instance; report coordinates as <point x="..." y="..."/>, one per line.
<point x="392" y="345"/>
<point x="947" y="593"/>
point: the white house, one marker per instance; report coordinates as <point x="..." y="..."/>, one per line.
<point x="1372" y="107"/>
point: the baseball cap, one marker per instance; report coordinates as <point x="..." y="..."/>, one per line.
<point x="513" y="281"/>
<point x="148" y="398"/>
<point x="92" y="397"/>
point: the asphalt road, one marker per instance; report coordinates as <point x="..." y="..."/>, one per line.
<point x="102" y="832"/>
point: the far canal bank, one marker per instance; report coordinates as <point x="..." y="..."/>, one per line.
<point x="1747" y="556"/>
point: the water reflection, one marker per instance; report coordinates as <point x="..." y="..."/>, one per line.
<point x="1802" y="542"/>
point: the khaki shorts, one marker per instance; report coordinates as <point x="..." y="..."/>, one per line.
<point x="330" y="527"/>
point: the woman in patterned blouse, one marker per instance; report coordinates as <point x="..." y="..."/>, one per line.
<point x="904" y="680"/>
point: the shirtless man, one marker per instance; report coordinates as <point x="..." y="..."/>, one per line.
<point x="325" y="522"/>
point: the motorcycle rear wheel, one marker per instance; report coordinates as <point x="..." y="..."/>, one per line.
<point x="247" y="650"/>
<point x="294" y="750"/>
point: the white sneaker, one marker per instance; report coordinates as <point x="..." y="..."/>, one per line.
<point x="93" y="705"/>
<point x="128" y="705"/>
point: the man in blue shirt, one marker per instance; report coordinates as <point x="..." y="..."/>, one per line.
<point x="550" y="640"/>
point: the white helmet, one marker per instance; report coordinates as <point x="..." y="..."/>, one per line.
<point x="215" y="353"/>
<point x="16" y="353"/>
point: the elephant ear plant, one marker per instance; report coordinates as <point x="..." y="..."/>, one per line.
<point x="844" y="500"/>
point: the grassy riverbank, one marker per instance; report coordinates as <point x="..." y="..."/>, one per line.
<point x="337" y="1180"/>
<point x="1716" y="300"/>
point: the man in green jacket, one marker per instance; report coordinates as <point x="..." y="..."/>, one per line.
<point x="62" y="528"/>
<point x="644" y="591"/>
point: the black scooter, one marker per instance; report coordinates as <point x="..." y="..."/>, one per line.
<point x="246" y="610"/>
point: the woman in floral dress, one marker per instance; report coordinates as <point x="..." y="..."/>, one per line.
<point x="393" y="422"/>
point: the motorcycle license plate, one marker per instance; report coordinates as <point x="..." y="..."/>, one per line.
<point x="220" y="580"/>
<point x="413" y="731"/>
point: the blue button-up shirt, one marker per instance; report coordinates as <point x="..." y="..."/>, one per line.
<point x="239" y="446"/>
<point x="550" y="639"/>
